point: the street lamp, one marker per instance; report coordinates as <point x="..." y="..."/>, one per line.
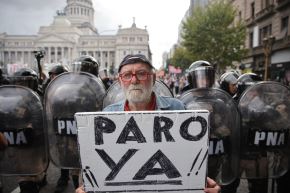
<point x="267" y="46"/>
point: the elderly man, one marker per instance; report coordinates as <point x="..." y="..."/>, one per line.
<point x="137" y="77"/>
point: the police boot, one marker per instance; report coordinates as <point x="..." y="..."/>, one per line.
<point x="28" y="187"/>
<point x="75" y="179"/>
<point x="62" y="181"/>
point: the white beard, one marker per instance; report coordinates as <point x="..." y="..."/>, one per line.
<point x="138" y="93"/>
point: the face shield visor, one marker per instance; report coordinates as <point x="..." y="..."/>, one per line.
<point x="27" y="81"/>
<point x="203" y="77"/>
<point x="85" y="66"/>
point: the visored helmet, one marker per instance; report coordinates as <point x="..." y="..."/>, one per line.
<point x="25" y="72"/>
<point x="228" y="82"/>
<point x="25" y="77"/>
<point x="246" y="80"/>
<point x="201" y="74"/>
<point x="86" y="63"/>
<point x="58" y="69"/>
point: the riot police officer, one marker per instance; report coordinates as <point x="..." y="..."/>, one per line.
<point x="86" y="63"/>
<point x="228" y="82"/>
<point x="28" y="78"/>
<point x="90" y="65"/>
<point x="53" y="72"/>
<point x="244" y="81"/>
<point x="201" y="74"/>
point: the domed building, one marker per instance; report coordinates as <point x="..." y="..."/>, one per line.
<point x="72" y="34"/>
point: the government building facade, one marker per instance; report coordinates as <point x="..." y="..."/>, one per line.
<point x="72" y="34"/>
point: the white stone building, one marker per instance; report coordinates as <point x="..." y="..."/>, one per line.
<point x="71" y="34"/>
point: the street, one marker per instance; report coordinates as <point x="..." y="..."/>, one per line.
<point x="11" y="186"/>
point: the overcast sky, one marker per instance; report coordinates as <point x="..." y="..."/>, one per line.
<point x="162" y="18"/>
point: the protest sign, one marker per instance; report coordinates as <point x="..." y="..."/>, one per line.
<point x="144" y="151"/>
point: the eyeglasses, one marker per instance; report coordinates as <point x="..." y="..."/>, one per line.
<point x="140" y="75"/>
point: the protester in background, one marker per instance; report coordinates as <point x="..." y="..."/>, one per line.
<point x="137" y="77"/>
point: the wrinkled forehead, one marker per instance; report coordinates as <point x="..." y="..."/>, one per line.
<point x="135" y="67"/>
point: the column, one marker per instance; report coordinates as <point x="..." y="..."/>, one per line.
<point x="55" y="54"/>
<point x="101" y="58"/>
<point x="69" y="54"/>
<point x="108" y="59"/>
<point x="16" y="56"/>
<point x="62" y="54"/>
<point x="23" y="57"/>
<point x="49" y="55"/>
<point x="9" y="56"/>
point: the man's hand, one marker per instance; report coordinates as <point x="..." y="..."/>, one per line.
<point x="80" y="189"/>
<point x="211" y="186"/>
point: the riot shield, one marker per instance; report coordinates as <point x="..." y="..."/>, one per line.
<point x="115" y="94"/>
<point x="224" y="143"/>
<point x="265" y="115"/>
<point x="67" y="94"/>
<point x="21" y="115"/>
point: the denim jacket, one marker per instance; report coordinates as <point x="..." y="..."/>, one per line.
<point x="162" y="103"/>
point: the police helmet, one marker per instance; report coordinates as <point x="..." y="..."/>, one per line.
<point x="86" y="63"/>
<point x="201" y="74"/>
<point x="25" y="77"/>
<point x="227" y="79"/>
<point x="58" y="69"/>
<point x="246" y="80"/>
<point x="25" y="72"/>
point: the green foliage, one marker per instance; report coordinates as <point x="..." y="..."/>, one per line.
<point x="181" y="58"/>
<point x="211" y="34"/>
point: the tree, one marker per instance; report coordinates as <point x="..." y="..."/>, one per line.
<point x="211" y="34"/>
<point x="181" y="58"/>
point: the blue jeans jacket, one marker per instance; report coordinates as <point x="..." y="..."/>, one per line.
<point x="163" y="103"/>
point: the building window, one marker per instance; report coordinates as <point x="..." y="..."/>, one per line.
<point x="240" y="16"/>
<point x="132" y="39"/>
<point x="124" y="39"/>
<point x="124" y="52"/>
<point x="253" y="9"/>
<point x="265" y="32"/>
<point x="140" y="39"/>
<point x="284" y="23"/>
<point x="265" y="4"/>
<point x="251" y="40"/>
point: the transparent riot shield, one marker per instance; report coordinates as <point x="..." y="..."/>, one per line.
<point x="224" y="141"/>
<point x="115" y="93"/>
<point x="24" y="145"/>
<point x="265" y="115"/>
<point x="67" y="94"/>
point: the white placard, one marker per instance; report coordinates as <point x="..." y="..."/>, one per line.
<point x="145" y="151"/>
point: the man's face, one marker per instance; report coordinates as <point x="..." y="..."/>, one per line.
<point x="137" y="91"/>
<point x="233" y="88"/>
